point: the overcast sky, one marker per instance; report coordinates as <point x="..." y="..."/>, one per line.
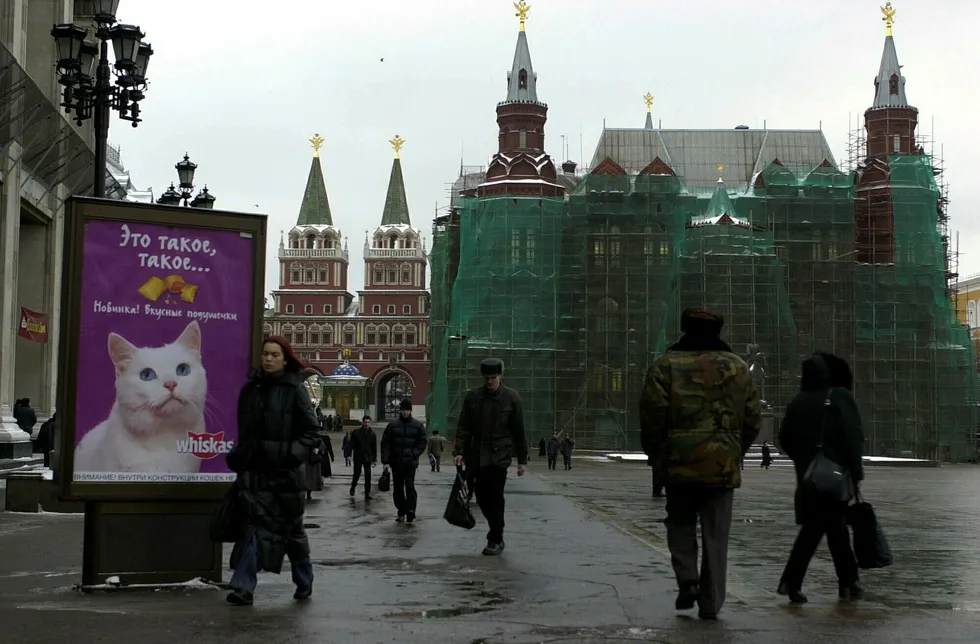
<point x="241" y="85"/>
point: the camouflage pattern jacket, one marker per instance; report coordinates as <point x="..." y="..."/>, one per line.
<point x="699" y="413"/>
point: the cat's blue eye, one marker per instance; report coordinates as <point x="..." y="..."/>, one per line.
<point x="183" y="369"/>
<point x="148" y="374"/>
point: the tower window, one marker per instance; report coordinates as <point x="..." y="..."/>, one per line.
<point x="896" y="144"/>
<point x="893" y="85"/>
<point x="523" y="139"/>
<point x="308" y="309"/>
<point x="522" y="79"/>
<point x="289" y="308"/>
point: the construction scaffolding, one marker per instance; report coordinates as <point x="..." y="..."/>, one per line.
<point x="579" y="295"/>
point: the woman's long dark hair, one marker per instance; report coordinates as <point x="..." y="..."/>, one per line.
<point x="293" y="363"/>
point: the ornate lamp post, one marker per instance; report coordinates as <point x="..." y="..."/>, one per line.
<point x="83" y="68"/>
<point x="185" y="180"/>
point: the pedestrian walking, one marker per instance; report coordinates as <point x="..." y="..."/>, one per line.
<point x="567" y="445"/>
<point x="276" y="427"/>
<point x="810" y="425"/>
<point x="542" y="447"/>
<point x="700" y="409"/>
<point x="437" y="444"/>
<point x="766" y="455"/>
<point x="364" y="452"/>
<point x="402" y="443"/>
<point x="554" y="447"/>
<point x="345" y="448"/>
<point x="489" y="434"/>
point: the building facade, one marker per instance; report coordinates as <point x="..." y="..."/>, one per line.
<point x="580" y="290"/>
<point x="381" y="333"/>
<point x="44" y="158"/>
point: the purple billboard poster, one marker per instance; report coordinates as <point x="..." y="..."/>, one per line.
<point x="164" y="348"/>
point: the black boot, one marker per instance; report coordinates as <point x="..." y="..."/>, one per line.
<point x="687" y="596"/>
<point x="239" y="598"/>
<point x="493" y="549"/>
<point x="850" y="593"/>
<point x="795" y="596"/>
<point x="303" y="593"/>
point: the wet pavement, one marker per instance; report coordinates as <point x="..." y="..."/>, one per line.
<point x="585" y="561"/>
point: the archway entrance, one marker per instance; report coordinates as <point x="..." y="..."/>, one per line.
<point x="392" y="389"/>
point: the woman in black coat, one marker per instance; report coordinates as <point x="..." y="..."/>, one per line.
<point x="277" y="430"/>
<point x="807" y="417"/>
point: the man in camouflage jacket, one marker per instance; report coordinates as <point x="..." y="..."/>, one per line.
<point x="699" y="413"/>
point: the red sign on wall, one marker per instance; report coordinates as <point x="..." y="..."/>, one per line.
<point x="33" y="326"/>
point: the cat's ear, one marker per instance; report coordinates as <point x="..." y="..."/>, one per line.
<point x="121" y="351"/>
<point x="190" y="338"/>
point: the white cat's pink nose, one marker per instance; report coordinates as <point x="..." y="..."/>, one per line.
<point x="170" y="385"/>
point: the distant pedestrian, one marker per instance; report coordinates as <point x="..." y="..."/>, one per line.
<point x="402" y="443"/>
<point x="276" y="424"/>
<point x="810" y="422"/>
<point x="700" y="410"/>
<point x="766" y="455"/>
<point x="437" y="444"/>
<point x="345" y="448"/>
<point x="489" y="434"/>
<point x="364" y="452"/>
<point x="567" y="445"/>
<point x="553" y="449"/>
<point x="542" y="447"/>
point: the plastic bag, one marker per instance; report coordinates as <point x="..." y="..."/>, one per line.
<point x="871" y="547"/>
<point x="458" y="509"/>
<point x="384" y="481"/>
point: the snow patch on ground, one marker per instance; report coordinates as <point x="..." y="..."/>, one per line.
<point x="641" y="457"/>
<point x="114" y="582"/>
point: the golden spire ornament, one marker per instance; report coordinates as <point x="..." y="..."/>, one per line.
<point x="648" y="99"/>
<point x="522" y="9"/>
<point x="317" y="143"/>
<point x="721" y="172"/>
<point x="888" y="17"/>
<point x="397" y="143"/>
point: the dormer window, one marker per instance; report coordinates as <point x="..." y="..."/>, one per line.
<point x="893" y="85"/>
<point x="522" y="79"/>
<point x="311" y="242"/>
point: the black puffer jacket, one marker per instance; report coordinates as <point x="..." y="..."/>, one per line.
<point x="403" y="442"/>
<point x="277" y="427"/>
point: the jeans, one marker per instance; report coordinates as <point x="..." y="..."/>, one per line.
<point x="405" y="497"/>
<point x="489" y="488"/>
<point x="358" y="466"/>
<point x="246" y="575"/>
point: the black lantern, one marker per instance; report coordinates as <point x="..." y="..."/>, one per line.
<point x="125" y="44"/>
<point x="204" y="199"/>
<point x="185" y="173"/>
<point x="170" y="198"/>
<point x="138" y="73"/>
<point x="86" y="65"/>
<point x="69" y="40"/>
<point x="104" y="11"/>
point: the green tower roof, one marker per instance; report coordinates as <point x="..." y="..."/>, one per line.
<point x="396" y="203"/>
<point x="315" y="209"/>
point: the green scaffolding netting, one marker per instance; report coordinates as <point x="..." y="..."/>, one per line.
<point x="579" y="295"/>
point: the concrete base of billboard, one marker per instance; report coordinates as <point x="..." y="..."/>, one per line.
<point x="14" y="441"/>
<point x="151" y="543"/>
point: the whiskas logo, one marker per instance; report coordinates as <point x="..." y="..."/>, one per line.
<point x="204" y="446"/>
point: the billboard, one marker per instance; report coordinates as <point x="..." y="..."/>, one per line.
<point x="162" y="321"/>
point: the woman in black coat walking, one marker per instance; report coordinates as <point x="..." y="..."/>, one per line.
<point x="277" y="430"/>
<point x="807" y="419"/>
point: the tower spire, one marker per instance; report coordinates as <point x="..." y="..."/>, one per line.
<point x="889" y="84"/>
<point x="648" y="99"/>
<point x="315" y="209"/>
<point x="396" y="202"/>
<point x="522" y="81"/>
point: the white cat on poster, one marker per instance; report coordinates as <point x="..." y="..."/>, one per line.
<point x="160" y="397"/>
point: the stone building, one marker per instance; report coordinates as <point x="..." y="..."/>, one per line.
<point x="380" y="334"/>
<point x="44" y="158"/>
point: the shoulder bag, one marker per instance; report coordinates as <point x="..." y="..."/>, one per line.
<point x="824" y="477"/>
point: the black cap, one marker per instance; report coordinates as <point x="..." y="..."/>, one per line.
<point x="492" y="367"/>
<point x="405" y="404"/>
<point x="702" y="322"/>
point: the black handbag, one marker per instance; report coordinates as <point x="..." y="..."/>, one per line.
<point x="824" y="477"/>
<point x="228" y="520"/>
<point x="458" y="508"/>
<point x="384" y="481"/>
<point x="871" y="547"/>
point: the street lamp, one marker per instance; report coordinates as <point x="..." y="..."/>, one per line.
<point x="185" y="181"/>
<point x="83" y="70"/>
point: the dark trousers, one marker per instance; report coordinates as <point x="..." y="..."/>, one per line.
<point x="551" y="461"/>
<point x="489" y="488"/>
<point x="713" y="507"/>
<point x="358" y="466"/>
<point x="568" y="461"/>
<point x="805" y="546"/>
<point x="405" y="497"/>
<point x="246" y="575"/>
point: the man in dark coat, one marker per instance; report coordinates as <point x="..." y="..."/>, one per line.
<point x="554" y="446"/>
<point x="402" y="443"/>
<point x="699" y="412"/>
<point x="277" y="429"/>
<point x="567" y="445"/>
<point x="364" y="450"/>
<point x="489" y="434"/>
<point x="808" y="422"/>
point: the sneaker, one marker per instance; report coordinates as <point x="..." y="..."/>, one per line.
<point x="303" y="593"/>
<point x="239" y="598"/>
<point x="493" y="549"/>
<point x="410" y="517"/>
<point x="687" y="597"/>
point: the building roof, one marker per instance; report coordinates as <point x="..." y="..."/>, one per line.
<point x="695" y="154"/>
<point x="720" y="210"/>
<point x="522" y="87"/>
<point x="396" y="203"/>
<point x="315" y="209"/>
<point x="884" y="97"/>
<point x="346" y="370"/>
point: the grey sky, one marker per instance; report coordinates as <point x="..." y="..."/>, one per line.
<point x="242" y="88"/>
